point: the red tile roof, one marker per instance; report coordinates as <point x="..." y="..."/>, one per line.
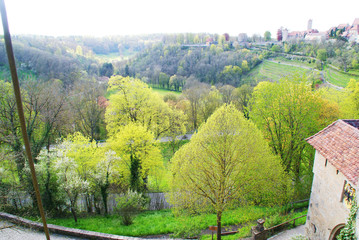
<point x="339" y="144"/>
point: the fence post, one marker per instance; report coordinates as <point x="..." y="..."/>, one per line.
<point x="259" y="232"/>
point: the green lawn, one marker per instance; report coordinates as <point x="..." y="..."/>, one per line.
<point x="337" y="78"/>
<point x="164" y="222"/>
<point x="115" y="56"/>
<point x="164" y="92"/>
<point x="270" y="71"/>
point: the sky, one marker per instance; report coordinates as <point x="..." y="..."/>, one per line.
<point x="129" y="17"/>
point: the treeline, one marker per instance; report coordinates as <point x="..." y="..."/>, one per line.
<point x="170" y="65"/>
<point x="72" y="58"/>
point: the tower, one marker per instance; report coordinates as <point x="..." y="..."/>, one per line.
<point x="310" y="23"/>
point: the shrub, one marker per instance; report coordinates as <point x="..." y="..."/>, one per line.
<point x="129" y="205"/>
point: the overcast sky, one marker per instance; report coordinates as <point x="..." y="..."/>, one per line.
<point x="118" y="17"/>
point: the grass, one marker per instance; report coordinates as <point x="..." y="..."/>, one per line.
<point x="167" y="151"/>
<point x="164" y="222"/>
<point x="164" y="92"/>
<point x="337" y="78"/>
<point x="270" y="71"/>
<point x="116" y="56"/>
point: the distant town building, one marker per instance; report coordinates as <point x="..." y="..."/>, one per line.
<point x="335" y="182"/>
<point x="317" y="37"/>
<point x="284" y="35"/>
<point x="310" y="23"/>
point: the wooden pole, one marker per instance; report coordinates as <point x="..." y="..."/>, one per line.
<point x="15" y="81"/>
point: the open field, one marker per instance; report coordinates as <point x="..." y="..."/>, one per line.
<point x="337" y="78"/>
<point x="114" y="56"/>
<point x="164" y="92"/>
<point x="270" y="71"/>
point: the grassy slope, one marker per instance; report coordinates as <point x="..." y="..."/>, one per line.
<point x="338" y="78"/>
<point x="269" y="71"/>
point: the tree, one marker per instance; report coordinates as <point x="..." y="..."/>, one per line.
<point x="88" y="112"/>
<point x="105" y="173"/>
<point x="135" y="102"/>
<point x="164" y="80"/>
<point x="70" y="181"/>
<point x="227" y="160"/>
<point x="288" y="112"/>
<point x="242" y="97"/>
<point x="267" y="36"/>
<point x="231" y="75"/>
<point x="322" y="55"/>
<point x="275" y="48"/>
<point x="226" y="92"/>
<point x="106" y="70"/>
<point x="194" y="92"/>
<point x="44" y="105"/>
<point x="138" y="151"/>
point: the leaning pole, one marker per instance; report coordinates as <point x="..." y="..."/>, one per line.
<point x="15" y="81"/>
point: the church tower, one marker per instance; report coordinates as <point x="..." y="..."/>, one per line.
<point x="310" y="23"/>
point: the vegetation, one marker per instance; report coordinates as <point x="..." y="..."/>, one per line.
<point x="95" y="125"/>
<point x="282" y="110"/>
<point x="165" y="222"/>
<point x="220" y="165"/>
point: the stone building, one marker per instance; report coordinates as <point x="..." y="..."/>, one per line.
<point x="336" y="174"/>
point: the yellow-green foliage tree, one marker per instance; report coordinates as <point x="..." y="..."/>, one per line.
<point x="350" y="103"/>
<point x="135" y="102"/>
<point x="288" y="112"/>
<point x="226" y="161"/>
<point x="139" y="154"/>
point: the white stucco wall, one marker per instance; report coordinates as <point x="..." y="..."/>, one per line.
<point x="326" y="209"/>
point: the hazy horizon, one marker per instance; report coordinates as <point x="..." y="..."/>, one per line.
<point x="70" y="18"/>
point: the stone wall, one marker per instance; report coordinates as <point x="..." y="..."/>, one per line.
<point x="326" y="210"/>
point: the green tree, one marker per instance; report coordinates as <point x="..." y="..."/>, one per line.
<point x="275" y="48"/>
<point x="135" y="102"/>
<point x="227" y="160"/>
<point x="288" y="112"/>
<point x="231" y="75"/>
<point x="139" y="153"/>
<point x="267" y="36"/>
<point x="322" y="55"/>
<point x="164" y="79"/>
<point x="242" y="97"/>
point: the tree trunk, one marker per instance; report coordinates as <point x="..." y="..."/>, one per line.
<point x="104" y="195"/>
<point x="219" y="225"/>
<point x="74" y="214"/>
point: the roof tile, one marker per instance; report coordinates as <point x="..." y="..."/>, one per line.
<point x="339" y="143"/>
